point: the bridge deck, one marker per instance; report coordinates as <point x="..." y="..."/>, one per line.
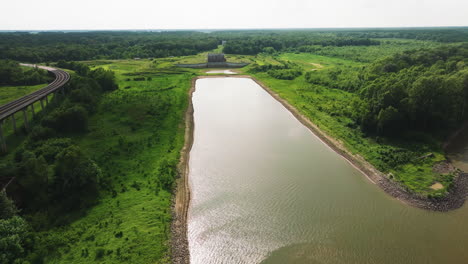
<point x="61" y="78"/>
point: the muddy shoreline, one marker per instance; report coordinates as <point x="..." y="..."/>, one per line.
<point x="179" y="242"/>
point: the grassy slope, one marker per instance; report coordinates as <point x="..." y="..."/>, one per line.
<point x="323" y="106"/>
<point x="10" y="93"/>
<point x="128" y="140"/>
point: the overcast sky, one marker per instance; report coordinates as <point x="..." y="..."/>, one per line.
<point x="211" y="14"/>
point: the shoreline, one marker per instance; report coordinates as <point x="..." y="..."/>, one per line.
<point x="181" y="201"/>
<point x="179" y="242"/>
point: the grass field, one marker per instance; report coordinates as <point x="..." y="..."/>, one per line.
<point x="10" y="93"/>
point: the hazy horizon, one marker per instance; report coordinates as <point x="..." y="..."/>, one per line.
<point x="28" y="15"/>
<point x="224" y="29"/>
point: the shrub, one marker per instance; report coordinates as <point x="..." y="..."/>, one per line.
<point x="7" y="207"/>
<point x="100" y="253"/>
<point x="39" y="133"/>
<point x="73" y="119"/>
<point x="75" y="176"/>
<point x="14" y="238"/>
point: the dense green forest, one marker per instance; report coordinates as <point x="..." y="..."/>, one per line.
<point x="55" y="46"/>
<point x="11" y="73"/>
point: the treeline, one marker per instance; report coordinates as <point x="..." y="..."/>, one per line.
<point x="284" y="71"/>
<point x="52" y="176"/>
<point x="11" y="73"/>
<point x="446" y="35"/>
<point x="73" y="46"/>
<point x="289" y="41"/>
<point x="421" y="90"/>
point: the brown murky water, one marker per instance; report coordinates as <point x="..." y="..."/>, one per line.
<point x="264" y="189"/>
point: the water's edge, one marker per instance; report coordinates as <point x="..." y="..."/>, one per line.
<point x="179" y="242"/>
<point x="181" y="200"/>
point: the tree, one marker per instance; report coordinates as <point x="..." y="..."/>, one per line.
<point x="67" y="119"/>
<point x="75" y="176"/>
<point x="7" y="207"/>
<point x="33" y="180"/>
<point x="14" y="237"/>
<point x="388" y="120"/>
<point x="426" y="100"/>
<point x="105" y="78"/>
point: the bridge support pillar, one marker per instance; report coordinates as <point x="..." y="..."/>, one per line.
<point x="47" y="99"/>
<point x="13" y="121"/>
<point x="2" y="139"/>
<point x="25" y="115"/>
<point x="42" y="104"/>
<point x="32" y="110"/>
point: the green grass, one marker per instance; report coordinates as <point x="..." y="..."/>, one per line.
<point x="10" y="93"/>
<point x="134" y="130"/>
<point x="329" y="108"/>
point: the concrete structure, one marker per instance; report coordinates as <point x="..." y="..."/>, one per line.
<point x="214" y="60"/>
<point x="22" y="104"/>
<point x="213" y="57"/>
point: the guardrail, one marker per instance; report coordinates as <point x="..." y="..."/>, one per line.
<point x="10" y="109"/>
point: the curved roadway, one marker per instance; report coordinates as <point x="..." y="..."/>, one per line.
<point x="61" y="78"/>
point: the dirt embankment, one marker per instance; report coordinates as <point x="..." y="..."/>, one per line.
<point x="180" y="252"/>
<point x="179" y="243"/>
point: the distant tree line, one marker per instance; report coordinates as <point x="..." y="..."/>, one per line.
<point x="73" y="46"/>
<point x="252" y="45"/>
<point x="446" y="35"/>
<point x="11" y="73"/>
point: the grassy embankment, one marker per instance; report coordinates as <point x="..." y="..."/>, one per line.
<point x="329" y="108"/>
<point x="135" y="137"/>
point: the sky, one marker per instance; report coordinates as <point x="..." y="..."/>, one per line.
<point x="234" y="14"/>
